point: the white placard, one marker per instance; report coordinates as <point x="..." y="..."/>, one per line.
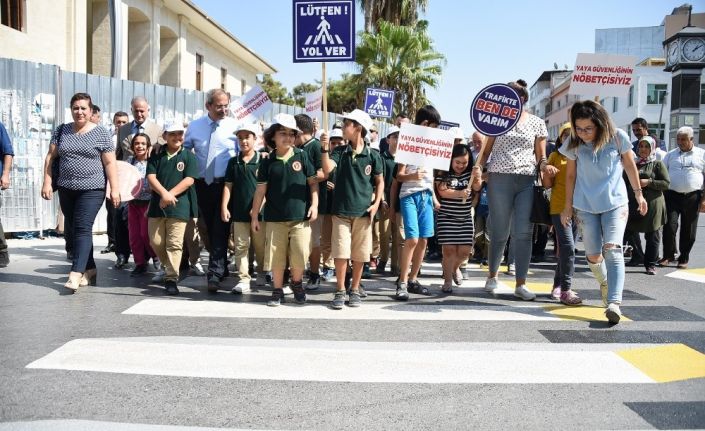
<point x="602" y="75"/>
<point x="251" y="106"/>
<point x="424" y="146"/>
<point x="314" y="103"/>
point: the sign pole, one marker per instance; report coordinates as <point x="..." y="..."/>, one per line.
<point x="324" y="96"/>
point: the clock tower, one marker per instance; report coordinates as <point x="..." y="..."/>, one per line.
<point x="685" y="59"/>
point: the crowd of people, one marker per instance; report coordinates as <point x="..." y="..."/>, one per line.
<point x="312" y="204"/>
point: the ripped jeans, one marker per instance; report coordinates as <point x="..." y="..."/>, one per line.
<point x="599" y="231"/>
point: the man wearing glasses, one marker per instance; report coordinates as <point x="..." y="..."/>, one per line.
<point x="684" y="198"/>
<point x="212" y="139"/>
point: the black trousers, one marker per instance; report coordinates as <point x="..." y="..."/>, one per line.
<point x="653" y="241"/>
<point x="110" y="221"/>
<point x="209" y="199"/>
<point x="80" y="207"/>
<point x="684" y="206"/>
<point x="121" y="233"/>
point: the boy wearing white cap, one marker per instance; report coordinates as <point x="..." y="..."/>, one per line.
<point x="242" y="171"/>
<point x="357" y="167"/>
<point x="287" y="179"/>
<point x="171" y="174"/>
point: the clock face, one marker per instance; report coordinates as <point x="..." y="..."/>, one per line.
<point x="694" y="49"/>
<point x="673" y="52"/>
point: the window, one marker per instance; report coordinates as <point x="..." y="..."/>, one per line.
<point x="615" y="104"/>
<point x="243" y="86"/>
<point x="630" y="103"/>
<point x="13" y="13"/>
<point x="548" y="108"/>
<point x="702" y="94"/>
<point x="655" y="93"/>
<point x="558" y="106"/>
<point x="199" y="72"/>
<point x="658" y="129"/>
<point x="223" y="78"/>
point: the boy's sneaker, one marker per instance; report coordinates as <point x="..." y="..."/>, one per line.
<point x="524" y="293"/>
<point x="197" y="269"/>
<point x="511" y="269"/>
<point x="314" y="281"/>
<point x="354" y="300"/>
<point x="366" y="270"/>
<point x="242" y="287"/>
<point x="276" y="299"/>
<point x="327" y="274"/>
<point x="268" y="277"/>
<point x="380" y="267"/>
<point x="261" y="280"/>
<point x="570" y="298"/>
<point x="414" y="286"/>
<point x="491" y="284"/>
<point x="338" y="300"/>
<point x="556" y="293"/>
<point x="613" y="313"/>
<point x="402" y="292"/>
<point x="299" y="292"/>
<point x="171" y="288"/>
<point x="159" y="276"/>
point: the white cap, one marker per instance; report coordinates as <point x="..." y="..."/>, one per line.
<point x="252" y="128"/>
<point x="362" y="117"/>
<point x="336" y="133"/>
<point x="393" y="129"/>
<point x="457" y="133"/>
<point x="286" y="120"/>
<point x="174" y="126"/>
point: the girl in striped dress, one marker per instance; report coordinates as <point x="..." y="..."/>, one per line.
<point x="454" y="221"/>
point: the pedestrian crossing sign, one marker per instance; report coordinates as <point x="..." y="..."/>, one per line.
<point x="379" y="103"/>
<point x="324" y="31"/>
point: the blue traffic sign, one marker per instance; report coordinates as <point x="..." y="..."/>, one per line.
<point x="324" y="30"/>
<point x="379" y="103"/>
<point x="495" y="110"/>
<point x="446" y="125"/>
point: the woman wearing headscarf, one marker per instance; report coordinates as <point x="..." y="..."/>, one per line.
<point x="653" y="177"/>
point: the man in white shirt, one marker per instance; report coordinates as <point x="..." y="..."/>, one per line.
<point x="684" y="198"/>
<point x="212" y="139"/>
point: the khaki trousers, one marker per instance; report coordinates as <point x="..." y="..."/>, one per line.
<point x="166" y="235"/>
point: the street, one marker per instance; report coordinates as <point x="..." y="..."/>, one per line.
<point x="121" y="355"/>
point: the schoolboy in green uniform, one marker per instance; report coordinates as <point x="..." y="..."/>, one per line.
<point x="288" y="181"/>
<point x="312" y="147"/>
<point x="171" y="174"/>
<point x="358" y="167"/>
<point x="237" y="204"/>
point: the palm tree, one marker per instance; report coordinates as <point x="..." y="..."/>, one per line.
<point x="400" y="58"/>
<point x="399" y="12"/>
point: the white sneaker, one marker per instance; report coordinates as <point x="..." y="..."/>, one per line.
<point x="287" y="290"/>
<point x="197" y="269"/>
<point x="159" y="276"/>
<point x="242" y="287"/>
<point x="261" y="280"/>
<point x="511" y="269"/>
<point x="613" y="313"/>
<point x="491" y="285"/>
<point x="524" y="293"/>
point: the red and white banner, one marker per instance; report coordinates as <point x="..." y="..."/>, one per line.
<point x="602" y="75"/>
<point x="424" y="146"/>
<point x="251" y="106"/>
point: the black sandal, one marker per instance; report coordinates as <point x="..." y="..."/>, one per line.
<point x="414" y="286"/>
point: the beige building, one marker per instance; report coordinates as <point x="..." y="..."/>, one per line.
<point x="167" y="42"/>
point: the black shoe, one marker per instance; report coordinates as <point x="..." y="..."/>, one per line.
<point x="120" y="262"/>
<point x="4" y="259"/>
<point x="299" y="292"/>
<point x="415" y="287"/>
<point x="139" y="270"/>
<point x="108" y="249"/>
<point x="354" y="299"/>
<point x="171" y="288"/>
<point x="366" y="270"/>
<point x="213" y="284"/>
<point x="277" y="298"/>
<point x="635" y="262"/>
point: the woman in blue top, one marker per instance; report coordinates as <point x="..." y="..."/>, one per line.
<point x="597" y="193"/>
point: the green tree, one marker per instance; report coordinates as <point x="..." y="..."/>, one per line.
<point x="401" y="58"/>
<point x="398" y="12"/>
<point x="344" y="94"/>
<point x="298" y="93"/>
<point x="275" y="90"/>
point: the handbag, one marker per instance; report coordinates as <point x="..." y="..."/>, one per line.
<point x="55" y="163"/>
<point x="541" y="207"/>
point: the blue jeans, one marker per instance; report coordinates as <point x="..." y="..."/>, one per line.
<point x="80" y="207"/>
<point x="599" y="230"/>
<point x="510" y="199"/>
<point x="565" y="241"/>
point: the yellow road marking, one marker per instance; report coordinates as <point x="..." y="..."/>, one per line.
<point x="667" y="363"/>
<point x="582" y="312"/>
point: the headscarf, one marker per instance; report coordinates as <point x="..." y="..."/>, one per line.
<point x="641" y="161"/>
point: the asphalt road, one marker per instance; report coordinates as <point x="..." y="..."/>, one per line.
<point x="122" y="356"/>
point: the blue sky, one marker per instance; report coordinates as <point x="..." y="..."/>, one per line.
<point x="484" y="41"/>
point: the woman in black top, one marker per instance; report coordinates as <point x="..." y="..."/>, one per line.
<point x="86" y="157"/>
